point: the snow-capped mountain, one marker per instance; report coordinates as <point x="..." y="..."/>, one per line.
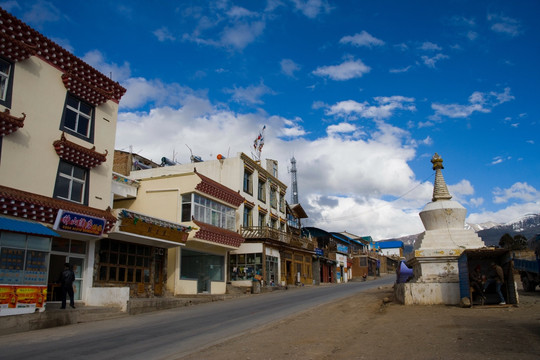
<point x="491" y="232"/>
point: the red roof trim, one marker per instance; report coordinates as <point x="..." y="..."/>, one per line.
<point x="41" y="208"/>
<point x="215" y="189"/>
<point x="218" y="235"/>
<point x="77" y="154"/>
<point x="18" y="42"/>
<point x="10" y="123"/>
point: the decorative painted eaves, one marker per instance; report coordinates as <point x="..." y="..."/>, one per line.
<point x="18" y="203"/>
<point x="217" y="235"/>
<point x="77" y="154"/>
<point x="215" y="189"/>
<point x="10" y="123"/>
<point x="18" y="42"/>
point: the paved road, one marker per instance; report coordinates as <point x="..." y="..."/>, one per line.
<point x="171" y="334"/>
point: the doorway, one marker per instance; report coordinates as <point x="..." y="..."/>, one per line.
<point x="158" y="274"/>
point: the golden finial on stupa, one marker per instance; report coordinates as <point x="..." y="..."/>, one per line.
<point x="440" y="191"/>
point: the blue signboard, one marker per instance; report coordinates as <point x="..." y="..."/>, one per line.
<point x="342" y="249"/>
<point x="79" y="223"/>
<point x="319" y="252"/>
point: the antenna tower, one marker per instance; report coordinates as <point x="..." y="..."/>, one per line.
<point x="294" y="182"/>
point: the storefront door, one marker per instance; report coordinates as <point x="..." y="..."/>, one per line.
<point x="66" y="251"/>
<point x="158" y="275"/>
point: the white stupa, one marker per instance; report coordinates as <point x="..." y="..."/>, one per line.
<point x="436" y="251"/>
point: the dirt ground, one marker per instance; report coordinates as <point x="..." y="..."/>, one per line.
<point x="372" y="326"/>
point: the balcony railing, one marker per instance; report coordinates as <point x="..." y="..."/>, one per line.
<point x="265" y="232"/>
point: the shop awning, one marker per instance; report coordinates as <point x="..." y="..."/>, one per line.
<point x="23" y="226"/>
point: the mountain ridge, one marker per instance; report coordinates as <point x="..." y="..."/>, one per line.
<point x="490" y="232"/>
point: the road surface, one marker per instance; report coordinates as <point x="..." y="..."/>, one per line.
<point x="173" y="333"/>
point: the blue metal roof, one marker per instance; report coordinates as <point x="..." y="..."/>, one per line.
<point x="23" y="226"/>
<point x="389" y="244"/>
<point x="341" y="237"/>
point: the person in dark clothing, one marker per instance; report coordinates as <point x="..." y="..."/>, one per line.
<point x="496" y="276"/>
<point x="67" y="277"/>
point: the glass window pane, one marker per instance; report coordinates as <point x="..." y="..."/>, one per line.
<point x="59" y="244"/>
<point x="113" y="258"/>
<point x="138" y="275"/>
<point x="85" y="109"/>
<point x="77" y="191"/>
<point x="71" y="101"/>
<point x="129" y="275"/>
<point x="62" y="187"/>
<point x="13" y="239"/>
<point x="70" y="120"/>
<point x="78" y="247"/>
<point x="39" y="243"/>
<point x="103" y="273"/>
<point x="79" y="173"/>
<point x="84" y="124"/>
<point x="122" y="274"/>
<point x="112" y="273"/>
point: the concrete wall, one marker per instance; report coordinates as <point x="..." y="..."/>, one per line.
<point x="108" y="296"/>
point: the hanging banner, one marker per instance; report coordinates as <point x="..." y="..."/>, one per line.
<point x="23" y="299"/>
<point x="79" y="223"/>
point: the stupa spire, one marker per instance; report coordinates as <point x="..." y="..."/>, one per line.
<point x="440" y="191"/>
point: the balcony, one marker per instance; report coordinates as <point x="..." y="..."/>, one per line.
<point x="265" y="232"/>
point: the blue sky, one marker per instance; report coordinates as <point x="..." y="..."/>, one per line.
<point x="361" y="93"/>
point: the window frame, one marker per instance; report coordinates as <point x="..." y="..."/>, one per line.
<point x="248" y="182"/>
<point x="247" y="217"/>
<point x="123" y="256"/>
<point x="6" y="99"/>
<point x="261" y="190"/>
<point x="91" y="119"/>
<point x="60" y="175"/>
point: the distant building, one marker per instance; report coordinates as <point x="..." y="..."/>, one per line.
<point x="390" y="248"/>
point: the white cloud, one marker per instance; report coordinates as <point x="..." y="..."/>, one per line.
<point x="41" y="12"/>
<point x="402" y="70"/>
<point x="349" y="69"/>
<point x="431" y="61"/>
<point x="362" y="39"/>
<point x="164" y="34"/>
<point x="504" y="25"/>
<point x="96" y="59"/>
<point x="478" y="101"/>
<point x="249" y="95"/>
<point x="520" y="191"/>
<point x="429" y="46"/>
<point x="312" y="8"/>
<point x="241" y="35"/>
<point x="508" y="214"/>
<point x="289" y="67"/>
<point x="384" y="107"/>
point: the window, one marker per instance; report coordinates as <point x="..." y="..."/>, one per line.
<point x="71" y="183"/>
<point x="248" y="218"/>
<point x="262" y="219"/>
<point x="195" y="265"/>
<point x="6" y="82"/>
<point x="186" y="207"/>
<point x="273" y="198"/>
<point x="24" y="259"/>
<point x="282" y="202"/>
<point x="245" y="266"/>
<point x="124" y="262"/>
<point x="248" y="182"/>
<point x="208" y="211"/>
<point x="261" y="193"/>
<point x="78" y="118"/>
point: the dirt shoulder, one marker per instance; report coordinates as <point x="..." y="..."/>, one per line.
<point x="372" y="326"/>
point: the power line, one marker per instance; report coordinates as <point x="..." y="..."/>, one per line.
<point x="384" y="205"/>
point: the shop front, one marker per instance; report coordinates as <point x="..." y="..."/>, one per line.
<point x="254" y="261"/>
<point x="134" y="256"/>
<point x="296" y="267"/>
<point x="25" y="248"/>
